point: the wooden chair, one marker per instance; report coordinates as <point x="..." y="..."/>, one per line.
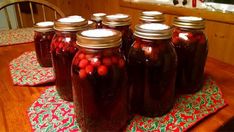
<point x="41" y="3"/>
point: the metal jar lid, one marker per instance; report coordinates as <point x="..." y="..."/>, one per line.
<point x="189" y="22"/>
<point x="99" y="38"/>
<point x="152" y="16"/>
<point x="91" y="24"/>
<point x="98" y="17"/>
<point x="117" y="20"/>
<point x="45" y="26"/>
<point x="153" y="31"/>
<point x="71" y="23"/>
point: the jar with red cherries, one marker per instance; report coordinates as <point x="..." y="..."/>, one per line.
<point x="152" y="70"/>
<point x="97" y="19"/>
<point x="152" y="17"/>
<point x="121" y="22"/>
<point x="99" y="81"/>
<point x="63" y="49"/>
<point x="44" y="33"/>
<point x="191" y="47"/>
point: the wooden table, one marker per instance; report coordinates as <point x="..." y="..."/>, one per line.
<point x="15" y="100"/>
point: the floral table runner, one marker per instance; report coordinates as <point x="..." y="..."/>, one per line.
<point x="25" y="70"/>
<point x="51" y="113"/>
<point x="16" y="36"/>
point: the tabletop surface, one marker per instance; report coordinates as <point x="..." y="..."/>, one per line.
<point x="15" y="100"/>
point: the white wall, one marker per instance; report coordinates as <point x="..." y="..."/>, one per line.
<point x="12" y="15"/>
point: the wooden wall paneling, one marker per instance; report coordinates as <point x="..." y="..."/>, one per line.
<point x="87" y="8"/>
<point x="134" y="13"/>
<point x="221" y="41"/>
<point x="176" y="10"/>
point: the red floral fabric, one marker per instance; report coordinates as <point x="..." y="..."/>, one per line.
<point x="16" y="36"/>
<point x="25" y="70"/>
<point x="50" y="113"/>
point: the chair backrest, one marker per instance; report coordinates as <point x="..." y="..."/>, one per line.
<point x="17" y="3"/>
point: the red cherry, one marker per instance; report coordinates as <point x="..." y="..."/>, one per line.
<point x="175" y="39"/>
<point x="95" y="62"/>
<point x="106" y="61"/>
<point x="60" y="45"/>
<point x="102" y="70"/>
<point x="177" y="31"/>
<point x="88" y="56"/>
<point x="81" y="56"/>
<point x="114" y="59"/>
<point x="60" y="39"/>
<point x="82" y="74"/>
<point x="83" y="63"/>
<point x="190" y="35"/>
<point x="121" y="63"/>
<point x="136" y="45"/>
<point x="89" y="69"/>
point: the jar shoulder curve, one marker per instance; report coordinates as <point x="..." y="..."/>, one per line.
<point x="148" y="50"/>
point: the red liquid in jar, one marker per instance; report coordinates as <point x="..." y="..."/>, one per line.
<point x="99" y="89"/>
<point x="42" y="42"/>
<point x="191" y="48"/>
<point x="63" y="49"/>
<point x="152" y="71"/>
<point x="127" y="37"/>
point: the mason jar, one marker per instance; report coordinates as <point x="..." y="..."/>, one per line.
<point x="121" y="22"/>
<point x="99" y="81"/>
<point x="191" y="47"/>
<point x="63" y="49"/>
<point x="44" y="33"/>
<point x="97" y="19"/>
<point x="152" y="17"/>
<point x="152" y="70"/>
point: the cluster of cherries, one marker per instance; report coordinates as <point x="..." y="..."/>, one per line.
<point x="88" y="63"/>
<point x="188" y="37"/>
<point x="150" y="50"/>
<point x="64" y="45"/>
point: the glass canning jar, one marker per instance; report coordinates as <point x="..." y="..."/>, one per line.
<point x="97" y="19"/>
<point x="121" y="22"/>
<point x="99" y="81"/>
<point x="152" y="17"/>
<point x="44" y="33"/>
<point x="63" y="49"/>
<point x="191" y="47"/>
<point x="152" y="70"/>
